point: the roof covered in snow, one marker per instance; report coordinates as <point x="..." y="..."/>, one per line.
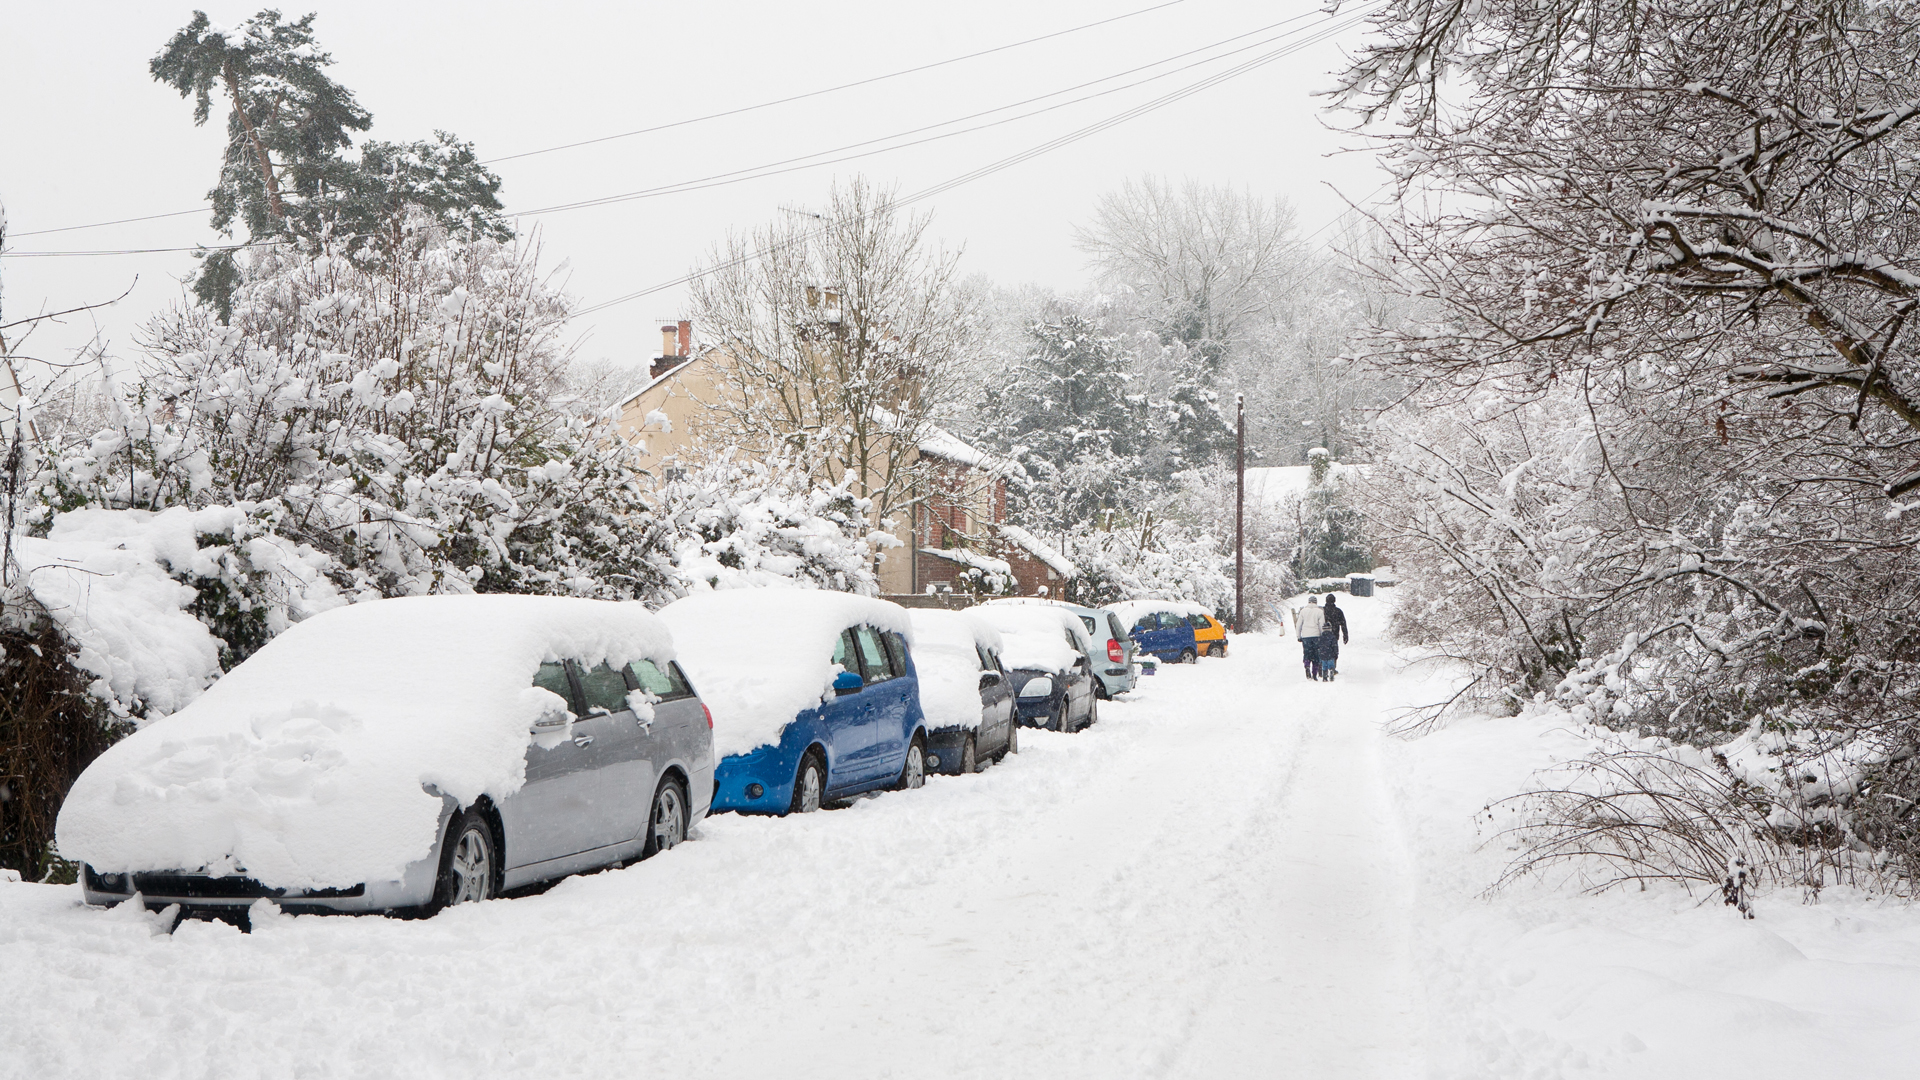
<point x="1041" y="550"/>
<point x="1035" y="637"/>
<point x="308" y="765"/>
<point x="760" y="657"/>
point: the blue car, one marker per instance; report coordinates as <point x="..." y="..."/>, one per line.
<point x="816" y="695"/>
<point x="1158" y="629"/>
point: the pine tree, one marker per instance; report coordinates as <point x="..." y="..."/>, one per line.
<point x="284" y="174"/>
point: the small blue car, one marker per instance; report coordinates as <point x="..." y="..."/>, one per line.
<point x="818" y="698"/>
<point x="1157" y="630"/>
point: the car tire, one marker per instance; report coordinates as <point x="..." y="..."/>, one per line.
<point x="1013" y="740"/>
<point x="1057" y="716"/>
<point x="970" y="756"/>
<point x="1187" y="657"/>
<point x="1093" y="713"/>
<point x="667" y="820"/>
<point x="469" y="861"/>
<point x="1100" y="689"/>
<point x="913" y="772"/>
<point x="809" y="784"/>
<point x="1216" y="650"/>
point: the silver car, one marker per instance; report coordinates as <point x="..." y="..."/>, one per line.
<point x="604" y="784"/>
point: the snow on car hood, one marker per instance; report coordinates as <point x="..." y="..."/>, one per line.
<point x="306" y="765"/>
<point x="1034" y="638"/>
<point x="944" y="655"/>
<point x="761" y="657"/>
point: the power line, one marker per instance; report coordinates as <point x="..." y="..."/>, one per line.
<point x="831" y="89"/>
<point x="1089" y="130"/>
<point x="661" y="127"/>
<point x="808" y="161"/>
<point x="788" y="165"/>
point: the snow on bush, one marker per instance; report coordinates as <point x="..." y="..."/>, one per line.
<point x="310" y="764"/>
<point x="1036" y="637"/>
<point x="760" y="657"/>
<point x="738" y="522"/>
<point x="946" y="656"/>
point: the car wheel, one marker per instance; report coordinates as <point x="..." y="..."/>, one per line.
<point x="1100" y="690"/>
<point x="969" y="757"/>
<point x="1216" y="650"/>
<point x="1057" y="716"/>
<point x="667" y="824"/>
<point x="809" y="785"/>
<point x="1013" y="740"/>
<point x="1093" y="712"/>
<point x="913" y="774"/>
<point x="1187" y="657"/>
<point x="469" y="861"/>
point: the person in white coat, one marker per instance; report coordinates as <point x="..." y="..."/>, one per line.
<point x="1307" y="624"/>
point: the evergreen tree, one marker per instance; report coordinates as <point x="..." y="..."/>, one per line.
<point x="284" y="176"/>
<point x="1330" y="541"/>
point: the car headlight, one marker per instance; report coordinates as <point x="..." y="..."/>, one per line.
<point x="1039" y="687"/>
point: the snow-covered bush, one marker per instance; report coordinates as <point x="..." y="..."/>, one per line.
<point x="406" y="422"/>
<point x="738" y="522"/>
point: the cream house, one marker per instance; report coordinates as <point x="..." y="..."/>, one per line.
<point x="954" y="517"/>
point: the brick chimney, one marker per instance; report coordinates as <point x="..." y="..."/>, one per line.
<point x="676" y="345"/>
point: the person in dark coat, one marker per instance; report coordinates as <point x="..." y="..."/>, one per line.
<point x="1333" y="631"/>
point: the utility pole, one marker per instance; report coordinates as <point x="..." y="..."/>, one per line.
<point x="1239" y="513"/>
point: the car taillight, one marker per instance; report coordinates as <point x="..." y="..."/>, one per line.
<point x="708" y="713"/>
<point x="1113" y="651"/>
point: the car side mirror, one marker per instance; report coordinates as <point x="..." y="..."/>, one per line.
<point x="989" y="678"/>
<point x="552" y="720"/>
<point x="847" y="682"/>
<point x="1081" y="663"/>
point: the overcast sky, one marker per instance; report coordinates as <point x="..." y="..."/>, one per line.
<point x="87" y="136"/>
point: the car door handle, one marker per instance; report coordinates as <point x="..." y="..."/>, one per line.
<point x="583" y="740"/>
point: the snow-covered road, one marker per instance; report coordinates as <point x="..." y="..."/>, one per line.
<point x="1206" y="883"/>
<point x="1235" y="875"/>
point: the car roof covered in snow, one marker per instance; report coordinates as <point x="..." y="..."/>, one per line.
<point x="1131" y="610"/>
<point x="307" y="765"/>
<point x="1032" y="638"/>
<point x="760" y="657"/>
<point x="944" y="653"/>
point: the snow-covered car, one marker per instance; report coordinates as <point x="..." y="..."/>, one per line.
<point x="404" y="754"/>
<point x="1166" y="629"/>
<point x="1044" y="648"/>
<point x="964" y="691"/>
<point x="1112" y="648"/>
<point x="814" y="694"/>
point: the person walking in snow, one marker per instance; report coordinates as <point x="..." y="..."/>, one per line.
<point x="1333" y="630"/>
<point x="1307" y="624"/>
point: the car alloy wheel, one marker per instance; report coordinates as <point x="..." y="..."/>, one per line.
<point x="969" y="761"/>
<point x="471" y="861"/>
<point x="808" y="785"/>
<point x="913" y="774"/>
<point x="1187" y="657"/>
<point x="667" y="824"/>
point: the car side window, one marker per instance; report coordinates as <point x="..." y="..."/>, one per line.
<point x="664" y="684"/>
<point x="845" y="654"/>
<point x="1198" y="622"/>
<point x="1092" y="627"/>
<point x="1171" y="621"/>
<point x="873" y="655"/>
<point x="553" y="676"/>
<point x="897" y="651"/>
<point x="605" y="689"/>
<point x="1145" y="624"/>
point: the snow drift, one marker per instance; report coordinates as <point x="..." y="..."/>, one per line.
<point x="308" y="765"/>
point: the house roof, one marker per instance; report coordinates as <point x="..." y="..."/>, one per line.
<point x="1041" y="550"/>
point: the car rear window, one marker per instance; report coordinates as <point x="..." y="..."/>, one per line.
<point x="1113" y="627"/>
<point x="665" y="685"/>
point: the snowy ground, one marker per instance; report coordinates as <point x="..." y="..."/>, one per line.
<point x="1234" y="874"/>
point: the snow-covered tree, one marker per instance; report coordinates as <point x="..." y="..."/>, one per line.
<point x="846" y="342"/>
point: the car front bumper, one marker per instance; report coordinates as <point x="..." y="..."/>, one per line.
<point x="201" y="894"/>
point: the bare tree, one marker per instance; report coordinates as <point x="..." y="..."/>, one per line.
<point x="845" y="341"/>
